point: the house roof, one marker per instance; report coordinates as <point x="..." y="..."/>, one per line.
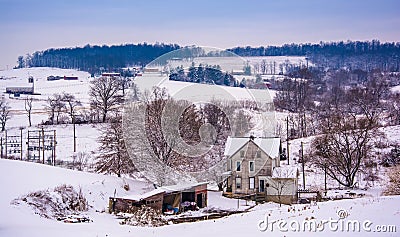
<point x="283" y="172"/>
<point x="270" y="145"/>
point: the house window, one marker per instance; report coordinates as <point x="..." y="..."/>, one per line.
<point x="238" y="183"/>
<point x="251" y="183"/>
<point x="238" y="165"/>
<point x="258" y="154"/>
<point x="242" y="154"/>
<point x="251" y="166"/>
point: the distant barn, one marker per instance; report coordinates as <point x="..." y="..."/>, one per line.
<point x="54" y="78"/>
<point x="70" y="78"/>
<point x="20" y="90"/>
<point x="111" y="74"/>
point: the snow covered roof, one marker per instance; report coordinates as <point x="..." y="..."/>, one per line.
<point x="165" y="189"/>
<point x="284" y="172"/>
<point x="180" y="187"/>
<point x="270" y="145"/>
<point x="144" y="195"/>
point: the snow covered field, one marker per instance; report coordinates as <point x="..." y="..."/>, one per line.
<point x="236" y="63"/>
<point x="18" y="178"/>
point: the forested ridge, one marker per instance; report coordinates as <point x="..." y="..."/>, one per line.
<point x="364" y="55"/>
<point x="94" y="58"/>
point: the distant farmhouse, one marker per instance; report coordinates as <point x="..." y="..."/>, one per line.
<point x="67" y="78"/>
<point x="253" y="169"/>
<point x="18" y="90"/>
<point x="151" y="70"/>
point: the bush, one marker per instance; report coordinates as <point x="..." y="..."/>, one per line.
<point x="63" y="200"/>
<point x="392" y="158"/>
<point x="393" y="187"/>
<point x="145" y="216"/>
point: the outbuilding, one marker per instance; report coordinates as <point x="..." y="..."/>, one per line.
<point x="167" y="199"/>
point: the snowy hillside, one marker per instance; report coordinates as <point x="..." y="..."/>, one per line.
<point x="19" y="78"/>
<point x="86" y="134"/>
<point x="19" y="178"/>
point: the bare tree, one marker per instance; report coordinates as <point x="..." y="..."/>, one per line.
<point x="55" y="107"/>
<point x="394" y="109"/>
<point x="263" y="66"/>
<point x="123" y="83"/>
<point x="71" y="103"/>
<point x="294" y="95"/>
<point x="104" y="95"/>
<point x="113" y="157"/>
<point x="4" y="113"/>
<point x="345" y="146"/>
<point x="28" y="108"/>
<point x="282" y="183"/>
<point x="161" y="140"/>
<point x="80" y="160"/>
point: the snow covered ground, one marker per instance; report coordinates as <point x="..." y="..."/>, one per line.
<point x="86" y="134"/>
<point x="18" y="178"/>
<point x="237" y="63"/>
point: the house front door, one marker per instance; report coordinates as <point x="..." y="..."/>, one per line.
<point x="262" y="186"/>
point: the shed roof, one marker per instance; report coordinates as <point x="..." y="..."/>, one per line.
<point x="270" y="145"/>
<point x="188" y="187"/>
<point x="139" y="197"/>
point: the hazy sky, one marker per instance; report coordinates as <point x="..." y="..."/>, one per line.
<point x="32" y="25"/>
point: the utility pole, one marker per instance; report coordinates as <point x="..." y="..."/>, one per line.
<point x="21" y="143"/>
<point x="54" y="148"/>
<point x="42" y="144"/>
<point x="326" y="188"/>
<point x="38" y="138"/>
<point x="287" y="139"/>
<point x="73" y="123"/>
<point x="6" y="145"/>
<point x="302" y="162"/>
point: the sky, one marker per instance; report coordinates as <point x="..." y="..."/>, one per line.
<point x="27" y="26"/>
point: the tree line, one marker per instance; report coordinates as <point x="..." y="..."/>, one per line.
<point x="365" y="55"/>
<point x="93" y="58"/>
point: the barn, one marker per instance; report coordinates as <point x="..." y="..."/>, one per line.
<point x="71" y="78"/>
<point x="20" y="90"/>
<point x="167" y="199"/>
<point x="111" y="74"/>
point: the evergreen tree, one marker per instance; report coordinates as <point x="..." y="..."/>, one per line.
<point x="113" y="157"/>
